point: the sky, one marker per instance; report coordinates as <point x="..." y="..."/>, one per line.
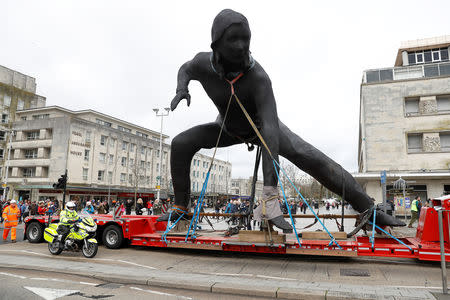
<point x="121" y="58"/>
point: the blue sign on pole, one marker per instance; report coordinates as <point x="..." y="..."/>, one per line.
<point x="383" y="177"/>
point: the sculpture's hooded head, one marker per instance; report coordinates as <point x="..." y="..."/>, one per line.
<point x="230" y="36"/>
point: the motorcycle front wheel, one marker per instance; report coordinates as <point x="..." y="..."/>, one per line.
<point x="55" y="248"/>
<point x="89" y="249"/>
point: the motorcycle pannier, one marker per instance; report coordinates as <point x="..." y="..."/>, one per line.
<point x="50" y="234"/>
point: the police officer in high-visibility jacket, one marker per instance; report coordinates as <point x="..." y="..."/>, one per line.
<point x="67" y="217"/>
<point x="11" y="215"/>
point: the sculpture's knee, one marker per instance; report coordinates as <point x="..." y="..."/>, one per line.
<point x="182" y="144"/>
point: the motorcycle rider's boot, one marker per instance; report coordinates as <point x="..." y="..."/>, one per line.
<point x="59" y="238"/>
<point x="174" y="214"/>
<point x="269" y="208"/>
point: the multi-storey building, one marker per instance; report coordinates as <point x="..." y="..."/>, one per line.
<point x="105" y="157"/>
<point x="405" y="121"/>
<point x="242" y="187"/>
<point x="17" y="92"/>
<point x="219" y="181"/>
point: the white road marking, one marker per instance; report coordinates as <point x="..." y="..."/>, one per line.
<point x="12" y="275"/>
<point x="159" y="293"/>
<point x="135" y="264"/>
<point x="125" y="262"/>
<point x="25" y="251"/>
<point x="273" y="277"/>
<point x="62" y="280"/>
<point x="50" y="294"/>
<point x="231" y="274"/>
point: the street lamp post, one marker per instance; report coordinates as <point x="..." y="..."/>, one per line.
<point x="5" y="183"/>
<point x="162" y="115"/>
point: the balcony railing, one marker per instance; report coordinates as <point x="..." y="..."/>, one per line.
<point x="409" y="72"/>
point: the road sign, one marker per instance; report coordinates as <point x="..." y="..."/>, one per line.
<point x="383" y="177"/>
<point x="158" y="187"/>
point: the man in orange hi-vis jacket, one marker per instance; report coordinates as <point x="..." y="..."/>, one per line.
<point x="11" y="216"/>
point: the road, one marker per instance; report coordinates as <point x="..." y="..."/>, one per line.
<point x="24" y="284"/>
<point x="216" y="271"/>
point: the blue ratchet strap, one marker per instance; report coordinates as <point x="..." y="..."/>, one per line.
<point x="379" y="228"/>
<point x="333" y="240"/>
<point x="169" y="227"/>
<point x="372" y="239"/>
<point x="197" y="209"/>
<point x="287" y="205"/>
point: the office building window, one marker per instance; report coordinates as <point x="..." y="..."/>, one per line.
<point x="88" y="137"/>
<point x="443" y="103"/>
<point x="101" y="175"/>
<point x="157" y="167"/>
<point x="102" y="157"/>
<point x="142" y="164"/>
<point x="143" y="150"/>
<point x="130" y="178"/>
<point x="7" y="100"/>
<point x="41" y="116"/>
<point x="110" y="177"/>
<point x="2" y="135"/>
<point x="23" y="118"/>
<point x="33" y="135"/>
<point x="124" y="129"/>
<point x="132" y="147"/>
<point x="85" y="174"/>
<point x="157" y="154"/>
<point x="2" y="151"/>
<point x="412" y="106"/>
<point x="86" y="154"/>
<point x="112" y="142"/>
<point x="20" y="104"/>
<point x="111" y="159"/>
<point x="123" y="177"/>
<point x="124" y="162"/>
<point x="131" y="162"/>
<point x="415" y="142"/>
<point x="104" y="123"/>
<point x="31" y="153"/>
<point x="5" y="118"/>
<point x="103" y="140"/>
<point x="445" y="141"/>
<point x="29" y="172"/>
<point x="124" y="145"/>
<point x="142" y="134"/>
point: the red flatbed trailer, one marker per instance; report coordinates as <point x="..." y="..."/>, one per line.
<point x="145" y="231"/>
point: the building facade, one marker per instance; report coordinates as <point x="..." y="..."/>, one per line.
<point x="404" y="126"/>
<point x="106" y="158"/>
<point x="242" y="187"/>
<point x="17" y="92"/>
<point x="219" y="181"/>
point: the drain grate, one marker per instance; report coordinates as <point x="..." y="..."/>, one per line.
<point x="110" y="285"/>
<point x="355" y="272"/>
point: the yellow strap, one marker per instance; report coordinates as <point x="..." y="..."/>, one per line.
<point x="253" y="125"/>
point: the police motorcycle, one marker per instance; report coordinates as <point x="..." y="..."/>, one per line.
<point x="81" y="237"/>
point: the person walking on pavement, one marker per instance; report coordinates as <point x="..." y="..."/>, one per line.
<point x="414" y="211"/>
<point x="11" y="215"/>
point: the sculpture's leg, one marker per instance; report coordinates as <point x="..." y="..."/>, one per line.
<point x="183" y="148"/>
<point x="329" y="173"/>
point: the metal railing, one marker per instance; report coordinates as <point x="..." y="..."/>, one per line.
<point x="408" y="72"/>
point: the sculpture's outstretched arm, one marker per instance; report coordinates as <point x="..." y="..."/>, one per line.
<point x="185" y="75"/>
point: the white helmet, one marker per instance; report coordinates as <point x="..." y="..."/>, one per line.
<point x="13" y="202"/>
<point x="88" y="203"/>
<point x="70" y="205"/>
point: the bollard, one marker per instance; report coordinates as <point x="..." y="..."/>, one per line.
<point x="441" y="242"/>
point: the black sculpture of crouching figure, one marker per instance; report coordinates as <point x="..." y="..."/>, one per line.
<point x="229" y="58"/>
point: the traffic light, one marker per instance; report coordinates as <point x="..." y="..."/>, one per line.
<point x="61" y="184"/>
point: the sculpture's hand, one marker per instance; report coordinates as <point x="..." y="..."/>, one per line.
<point x="184" y="94"/>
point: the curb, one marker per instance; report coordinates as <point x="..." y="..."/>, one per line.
<point x="214" y="287"/>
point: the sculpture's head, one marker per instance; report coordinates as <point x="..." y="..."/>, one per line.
<point x="231" y="35"/>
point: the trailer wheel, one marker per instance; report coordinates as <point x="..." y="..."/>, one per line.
<point x="35" y="232"/>
<point x="112" y="237"/>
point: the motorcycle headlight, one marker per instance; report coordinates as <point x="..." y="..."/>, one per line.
<point x="91" y="228"/>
